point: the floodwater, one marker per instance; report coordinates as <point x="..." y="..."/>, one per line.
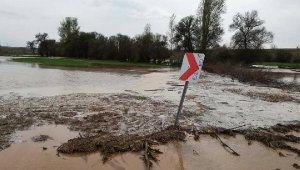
<point x="289" y="76"/>
<point x="207" y="153"/>
<point x="30" y="80"/>
<point x="223" y="108"/>
<point x="33" y="80"/>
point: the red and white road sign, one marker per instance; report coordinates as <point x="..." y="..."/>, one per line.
<point x="191" y="67"/>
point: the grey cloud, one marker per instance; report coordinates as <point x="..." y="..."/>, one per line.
<point x="134" y="8"/>
<point x="11" y="15"/>
<point x="23" y="19"/>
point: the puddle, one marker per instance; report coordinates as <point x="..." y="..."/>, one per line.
<point x="206" y="153"/>
<point x="59" y="133"/>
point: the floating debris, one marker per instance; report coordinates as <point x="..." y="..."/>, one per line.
<point x="109" y="145"/>
<point x="41" y="138"/>
<point x="296" y="166"/>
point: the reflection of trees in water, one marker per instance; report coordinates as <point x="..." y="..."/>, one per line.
<point x="287" y="78"/>
<point x="296" y="78"/>
<point x="292" y="78"/>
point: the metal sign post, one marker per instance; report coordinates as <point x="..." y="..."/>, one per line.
<point x="181" y="102"/>
<point x="190" y="72"/>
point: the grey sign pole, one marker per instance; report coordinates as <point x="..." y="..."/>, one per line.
<point x="181" y="102"/>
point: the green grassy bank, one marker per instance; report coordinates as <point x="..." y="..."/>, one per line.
<point x="70" y="62"/>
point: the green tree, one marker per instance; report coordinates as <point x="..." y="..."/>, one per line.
<point x="69" y="37"/>
<point x="185" y="32"/>
<point x="68" y="28"/>
<point x="160" y="52"/>
<point x="249" y="31"/>
<point x="124" y="47"/>
<point x="149" y="47"/>
<point x="143" y="44"/>
<point x="112" y="48"/>
<point x="98" y="46"/>
<point x="50" y="47"/>
<point x="208" y="19"/>
<point x="82" y="42"/>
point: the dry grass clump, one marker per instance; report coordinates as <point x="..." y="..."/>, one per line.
<point x="271" y="97"/>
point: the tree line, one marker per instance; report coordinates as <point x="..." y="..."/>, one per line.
<point x="92" y="45"/>
<point x="196" y="33"/>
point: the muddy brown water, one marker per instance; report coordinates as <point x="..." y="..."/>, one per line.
<point x="34" y="80"/>
<point x="207" y="153"/>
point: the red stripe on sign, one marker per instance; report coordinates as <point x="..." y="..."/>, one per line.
<point x="193" y="67"/>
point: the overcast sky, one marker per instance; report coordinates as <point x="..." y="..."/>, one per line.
<point x="20" y="20"/>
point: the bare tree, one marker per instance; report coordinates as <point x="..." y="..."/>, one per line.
<point x="31" y="45"/>
<point x="249" y="31"/>
<point x="298" y="54"/>
<point x="147" y="29"/>
<point x="41" y="37"/>
<point x="171" y="31"/>
<point x="185" y="34"/>
<point x="45" y="46"/>
<point x="209" y="26"/>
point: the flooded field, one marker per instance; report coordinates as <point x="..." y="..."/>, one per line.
<point x="33" y="80"/>
<point x="282" y="75"/>
<point x="52" y="101"/>
<point x="293" y="77"/>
